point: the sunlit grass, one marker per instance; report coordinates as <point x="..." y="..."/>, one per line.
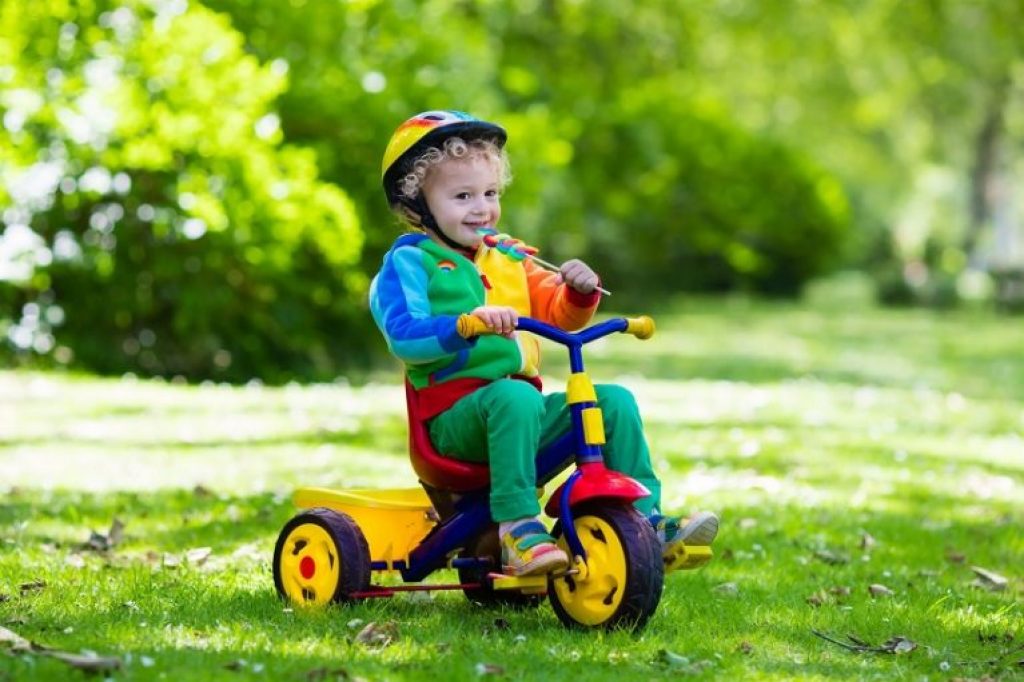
<point x="872" y="447"/>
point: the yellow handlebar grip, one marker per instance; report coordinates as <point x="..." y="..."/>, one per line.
<point x="471" y="325"/>
<point x="641" y="327"/>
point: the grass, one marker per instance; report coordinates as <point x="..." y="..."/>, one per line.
<point x="844" y="446"/>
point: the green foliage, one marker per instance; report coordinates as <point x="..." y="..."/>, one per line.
<point x="177" y="234"/>
<point x="194" y="188"/>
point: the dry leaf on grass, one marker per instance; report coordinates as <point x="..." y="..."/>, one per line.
<point x="894" y="645"/>
<point x="831" y="558"/>
<point x="86" y="662"/>
<point x="489" y="669"/>
<point x="32" y="586"/>
<point x="989" y="580"/>
<point x="98" y="542"/>
<point x="877" y="590"/>
<point x="199" y="555"/>
<point x="378" y="635"/>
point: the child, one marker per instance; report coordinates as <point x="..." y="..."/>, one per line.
<point x="443" y="174"/>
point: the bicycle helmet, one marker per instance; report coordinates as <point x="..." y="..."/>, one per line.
<point x="412" y="138"/>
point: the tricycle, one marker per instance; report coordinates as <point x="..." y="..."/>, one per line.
<point x="329" y="552"/>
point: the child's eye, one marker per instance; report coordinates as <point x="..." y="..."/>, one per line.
<point x="462" y="195"/>
<point x="491" y="193"/>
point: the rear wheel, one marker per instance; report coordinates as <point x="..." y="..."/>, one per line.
<point x="321" y="557"/>
<point x="486" y="545"/>
<point x="621" y="584"/>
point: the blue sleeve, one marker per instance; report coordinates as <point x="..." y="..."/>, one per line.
<point x="400" y="307"/>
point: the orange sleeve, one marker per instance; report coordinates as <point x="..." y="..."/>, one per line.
<point x="556" y="303"/>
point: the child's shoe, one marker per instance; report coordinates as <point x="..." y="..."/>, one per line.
<point x="527" y="549"/>
<point x="697" y="530"/>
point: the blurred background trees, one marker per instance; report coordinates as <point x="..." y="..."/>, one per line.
<point x="192" y="188"/>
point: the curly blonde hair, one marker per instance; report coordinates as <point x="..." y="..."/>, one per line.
<point x="454" y="148"/>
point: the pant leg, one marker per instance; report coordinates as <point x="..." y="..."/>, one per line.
<point x="499" y="423"/>
<point x="626" y="449"/>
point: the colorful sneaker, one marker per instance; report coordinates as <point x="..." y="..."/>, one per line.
<point x="527" y="549"/>
<point x="697" y="530"/>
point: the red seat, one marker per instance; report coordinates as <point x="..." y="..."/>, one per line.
<point x="434" y="468"/>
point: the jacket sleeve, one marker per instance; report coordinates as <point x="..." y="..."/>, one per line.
<point x="557" y="303"/>
<point x="401" y="309"/>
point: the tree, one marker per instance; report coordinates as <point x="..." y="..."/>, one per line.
<point x="163" y="227"/>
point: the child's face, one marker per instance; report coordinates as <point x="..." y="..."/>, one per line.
<point x="463" y="196"/>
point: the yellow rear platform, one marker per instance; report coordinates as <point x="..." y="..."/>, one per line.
<point x="393" y="521"/>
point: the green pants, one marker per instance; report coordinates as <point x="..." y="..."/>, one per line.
<point x="506" y="422"/>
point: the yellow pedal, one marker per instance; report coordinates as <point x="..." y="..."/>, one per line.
<point x="686" y="558"/>
<point x="527" y="584"/>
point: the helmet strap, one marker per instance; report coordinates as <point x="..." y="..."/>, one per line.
<point x="418" y="206"/>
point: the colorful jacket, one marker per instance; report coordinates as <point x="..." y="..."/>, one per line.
<point x="422" y="289"/>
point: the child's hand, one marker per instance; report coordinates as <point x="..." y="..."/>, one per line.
<point x="579" y="276"/>
<point x="501" y="318"/>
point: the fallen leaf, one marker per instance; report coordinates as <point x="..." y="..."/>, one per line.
<point x="116" y="533"/>
<point x="75" y="561"/>
<point x="877" y="590"/>
<point x="867" y="542"/>
<point x="899" y="645"/>
<point x="237" y="665"/>
<point x="32" y="586"/>
<point x="747" y="523"/>
<point x="489" y="669"/>
<point x="202" y="491"/>
<point x="672" y="659"/>
<point x="726" y="588"/>
<point x="378" y="635"/>
<point x="13" y="641"/>
<point x="840" y="591"/>
<point x="831" y="558"/>
<point x="955" y="557"/>
<point x="746" y="648"/>
<point x="86" y="663"/>
<point x="171" y="560"/>
<point x="98" y="542"/>
<point x="989" y="580"/>
<point x="818" y="598"/>
<point x="199" y="555"/>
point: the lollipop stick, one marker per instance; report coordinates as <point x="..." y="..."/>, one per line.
<point x="554" y="268"/>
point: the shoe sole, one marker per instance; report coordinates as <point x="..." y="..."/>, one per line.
<point x="547" y="563"/>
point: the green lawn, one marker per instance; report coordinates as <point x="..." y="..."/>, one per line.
<point x="844" y="447"/>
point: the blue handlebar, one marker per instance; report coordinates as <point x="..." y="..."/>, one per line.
<point x="572" y="339"/>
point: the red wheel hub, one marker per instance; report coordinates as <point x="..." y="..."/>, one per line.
<point x="307" y="567"/>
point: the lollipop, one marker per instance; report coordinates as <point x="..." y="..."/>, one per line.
<point x="518" y="250"/>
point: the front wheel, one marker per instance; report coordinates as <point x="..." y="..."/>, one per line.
<point x="621" y="584"/>
<point x="321" y="557"/>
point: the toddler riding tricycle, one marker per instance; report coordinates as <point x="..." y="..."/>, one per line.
<point x="328" y="552"/>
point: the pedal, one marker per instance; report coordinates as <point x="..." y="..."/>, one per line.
<point x="527" y="584"/>
<point x="683" y="558"/>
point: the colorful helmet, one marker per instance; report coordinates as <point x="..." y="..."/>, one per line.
<point x="429" y="129"/>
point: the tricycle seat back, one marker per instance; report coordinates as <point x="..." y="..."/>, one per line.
<point x="433" y="468"/>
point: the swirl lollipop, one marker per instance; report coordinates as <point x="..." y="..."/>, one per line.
<point x="518" y="250"/>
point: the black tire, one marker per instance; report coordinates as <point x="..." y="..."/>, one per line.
<point x="626" y="574"/>
<point x="486" y="545"/>
<point x="321" y="557"/>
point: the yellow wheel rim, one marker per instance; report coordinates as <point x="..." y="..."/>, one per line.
<point x="594" y="599"/>
<point x="309" y="565"/>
